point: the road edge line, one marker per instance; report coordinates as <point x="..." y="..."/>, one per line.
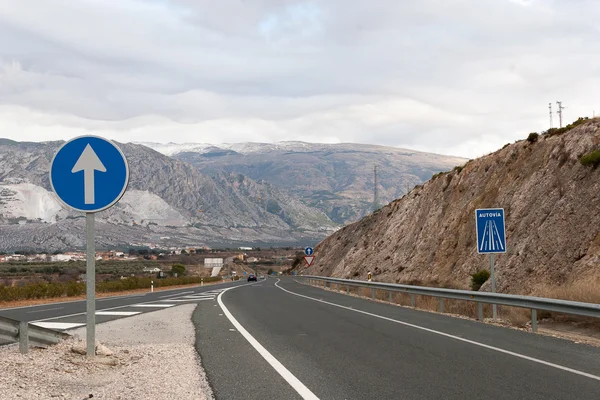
<point x="508" y="352"/>
<point x="294" y="382"/>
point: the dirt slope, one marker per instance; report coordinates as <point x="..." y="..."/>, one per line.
<point x="552" y="205"/>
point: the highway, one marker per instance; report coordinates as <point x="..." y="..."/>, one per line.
<point x="278" y="339"/>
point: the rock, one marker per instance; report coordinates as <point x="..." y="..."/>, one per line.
<point x="113" y="362"/>
<point x="102" y="350"/>
<point x="79" y="349"/>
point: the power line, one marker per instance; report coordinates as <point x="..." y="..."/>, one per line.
<point x="560" y="112"/>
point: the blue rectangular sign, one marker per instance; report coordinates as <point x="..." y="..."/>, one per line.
<point x="491" y="236"/>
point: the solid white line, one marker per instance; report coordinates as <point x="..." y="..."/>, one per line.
<point x="153" y="305"/>
<point x="47" y="309"/>
<point x="119" y="313"/>
<point x="281" y="370"/>
<point x="511" y="353"/>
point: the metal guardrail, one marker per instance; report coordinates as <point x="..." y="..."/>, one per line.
<point x="530" y="302"/>
<point x="25" y="333"/>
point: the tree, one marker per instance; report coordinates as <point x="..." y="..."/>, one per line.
<point x="178" y="269"/>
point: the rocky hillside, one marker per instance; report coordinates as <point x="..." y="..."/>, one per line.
<point x="163" y="193"/>
<point x="552" y="206"/>
<point x="334" y="178"/>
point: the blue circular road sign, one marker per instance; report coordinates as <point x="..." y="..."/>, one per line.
<point x="309" y="251"/>
<point x="89" y="174"/>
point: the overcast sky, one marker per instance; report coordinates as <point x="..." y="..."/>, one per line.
<point x="460" y="77"/>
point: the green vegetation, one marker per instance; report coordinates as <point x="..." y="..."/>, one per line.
<point x="591" y="159"/>
<point x="479" y="278"/>
<point x="42" y="290"/>
<point x="178" y="269"/>
<point x="533" y="137"/>
<point x="560" y="131"/>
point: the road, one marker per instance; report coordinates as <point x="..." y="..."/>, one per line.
<point x="71" y="314"/>
<point x="278" y="339"/>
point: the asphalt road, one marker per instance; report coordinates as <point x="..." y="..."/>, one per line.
<point x="342" y="347"/>
<point x="70" y="314"/>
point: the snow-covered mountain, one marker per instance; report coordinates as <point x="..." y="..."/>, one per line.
<point x="163" y="193"/>
<point x="337" y="179"/>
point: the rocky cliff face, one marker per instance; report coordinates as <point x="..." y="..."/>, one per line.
<point x="552" y="205"/>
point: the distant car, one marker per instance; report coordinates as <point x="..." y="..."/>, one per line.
<point x="262" y="277"/>
<point x="251" y="278"/>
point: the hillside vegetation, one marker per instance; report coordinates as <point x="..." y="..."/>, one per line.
<point x="548" y="185"/>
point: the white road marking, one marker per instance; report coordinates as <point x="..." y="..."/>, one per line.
<point x="511" y="353"/>
<point x="294" y="382"/>
<point x="153" y="305"/>
<point x="119" y="297"/>
<point x="198" y="297"/>
<point x="46" y="309"/>
<point x="176" y="294"/>
<point x="119" y="313"/>
<point x="57" y="325"/>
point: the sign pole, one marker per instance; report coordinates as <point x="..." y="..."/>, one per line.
<point x="90" y="283"/>
<point x="493" y="276"/>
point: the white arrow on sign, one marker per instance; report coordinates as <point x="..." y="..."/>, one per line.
<point x="88" y="163"/>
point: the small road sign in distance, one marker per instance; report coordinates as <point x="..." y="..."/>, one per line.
<point x="89" y="174"/>
<point x="309" y="260"/>
<point x="491" y="236"/>
<point x="309" y="251"/>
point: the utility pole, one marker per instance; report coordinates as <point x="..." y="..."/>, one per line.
<point x="375" y="200"/>
<point x="560" y="113"/>
<point x="550" y="107"/>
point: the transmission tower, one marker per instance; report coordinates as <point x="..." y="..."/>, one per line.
<point x="560" y="113"/>
<point x="550" y="107"/>
<point x="375" y="199"/>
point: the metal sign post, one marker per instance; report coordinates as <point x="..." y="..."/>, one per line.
<point x="90" y="282"/>
<point x="491" y="239"/>
<point x="89" y="174"/>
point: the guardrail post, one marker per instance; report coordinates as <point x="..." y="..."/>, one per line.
<point x="339" y="285"/>
<point x="442" y="305"/>
<point x="348" y="289"/>
<point x="373" y="294"/>
<point x="480" y="311"/>
<point x="533" y="320"/>
<point x="390" y="296"/>
<point x="23" y="337"/>
<point x="412" y="300"/>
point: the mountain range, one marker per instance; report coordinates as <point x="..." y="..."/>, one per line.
<point x="287" y="193"/>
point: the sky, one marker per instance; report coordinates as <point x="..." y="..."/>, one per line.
<point x="457" y="77"/>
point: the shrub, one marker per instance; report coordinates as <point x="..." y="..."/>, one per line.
<point x="479" y="278"/>
<point x="533" y="137"/>
<point x="591" y="159"/>
<point x="178" y="269"/>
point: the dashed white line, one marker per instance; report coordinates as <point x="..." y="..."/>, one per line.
<point x="153" y="305"/>
<point x="175" y="295"/>
<point x="56" y="325"/>
<point x="294" y="382"/>
<point x="118" y="313"/>
<point x="511" y="353"/>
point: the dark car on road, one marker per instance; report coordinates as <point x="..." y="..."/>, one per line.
<point x="251" y="278"/>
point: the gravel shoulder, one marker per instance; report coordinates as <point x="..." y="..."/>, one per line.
<point x="153" y="357"/>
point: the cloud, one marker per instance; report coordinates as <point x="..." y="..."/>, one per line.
<point x="459" y="77"/>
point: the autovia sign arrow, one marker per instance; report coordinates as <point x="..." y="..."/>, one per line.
<point x="89" y="174"/>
